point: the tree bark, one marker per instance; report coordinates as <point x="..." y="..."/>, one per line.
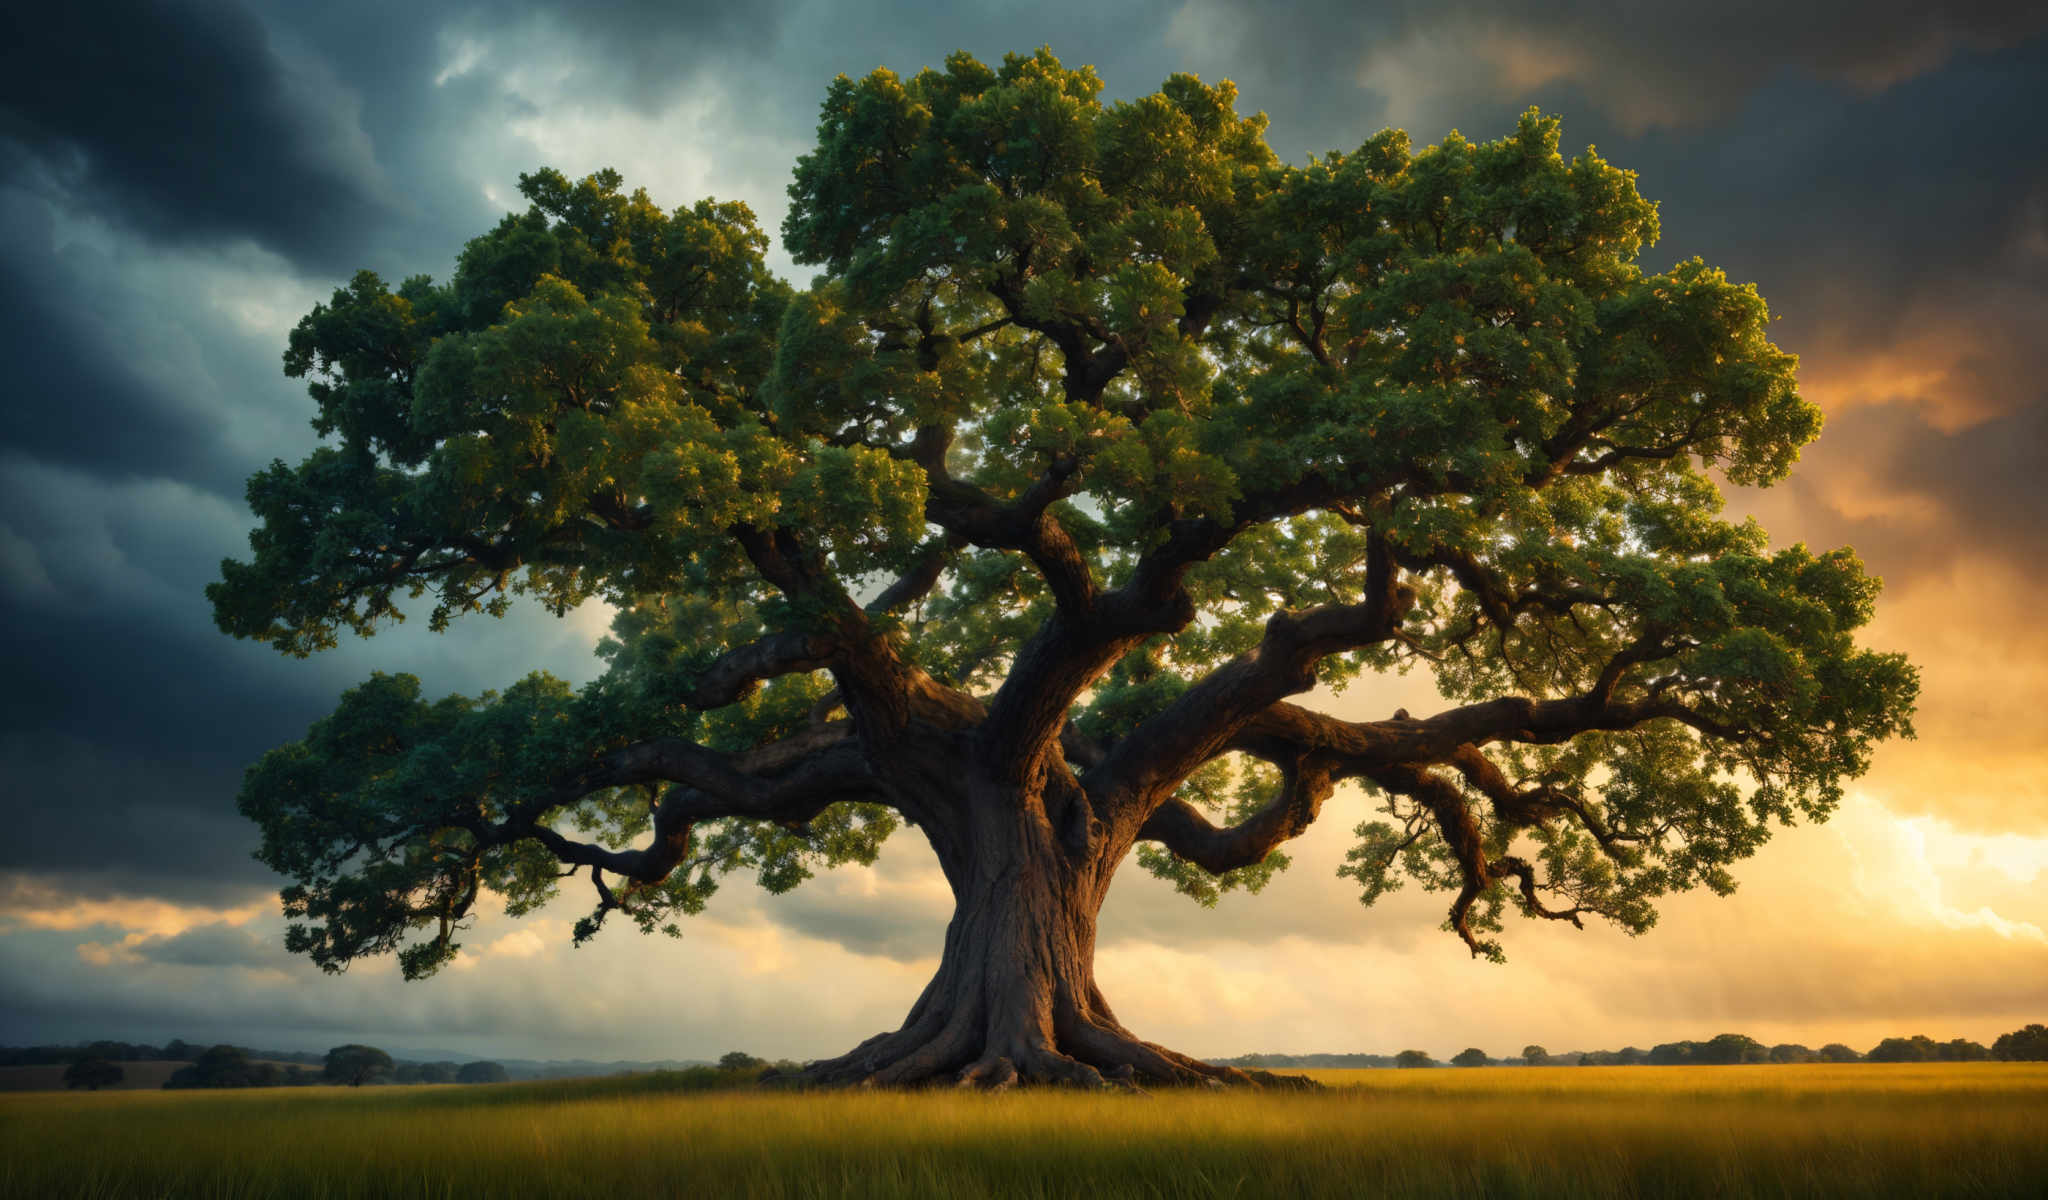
<point x="1014" y="999"/>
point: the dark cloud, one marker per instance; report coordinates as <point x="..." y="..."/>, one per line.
<point x="100" y="382"/>
<point x="1917" y="501"/>
<point x="1643" y="66"/>
<point x="103" y="820"/>
<point x="182" y="119"/>
<point x="217" y="945"/>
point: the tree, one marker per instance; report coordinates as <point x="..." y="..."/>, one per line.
<point x="1791" y="1052"/>
<point x="740" y="1060"/>
<point x="1836" y="1052"/>
<point x="1918" y="1048"/>
<point x="355" y="1064"/>
<point x="221" y="1066"/>
<point x="1535" y="1056"/>
<point x="1471" y="1056"/>
<point x="1674" y="1054"/>
<point x="2022" y="1045"/>
<point x="92" y="1073"/>
<point x="480" y="1072"/>
<point x="1101" y="436"/>
<point x="1729" y="1049"/>
<point x="1963" y="1050"/>
<point x="1414" y="1058"/>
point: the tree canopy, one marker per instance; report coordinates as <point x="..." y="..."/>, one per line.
<point x="93" y="1073"/>
<point x="481" y="1072"/>
<point x="1101" y="434"/>
<point x="356" y="1064"/>
<point x="2023" y="1045"/>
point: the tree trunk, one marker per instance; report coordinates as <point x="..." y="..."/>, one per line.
<point x="1014" y="999"/>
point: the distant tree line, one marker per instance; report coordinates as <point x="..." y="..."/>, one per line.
<point x="94" y="1065"/>
<point x="175" y="1050"/>
<point x="353" y="1064"/>
<point x="2022" y="1045"/>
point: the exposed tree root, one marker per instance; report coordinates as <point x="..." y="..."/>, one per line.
<point x="1088" y="1054"/>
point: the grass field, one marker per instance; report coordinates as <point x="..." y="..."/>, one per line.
<point x="1977" y="1129"/>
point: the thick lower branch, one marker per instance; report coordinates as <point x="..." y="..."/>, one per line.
<point x="738" y="672"/>
<point x="832" y="773"/>
<point x="1183" y="829"/>
<point x="1199" y="725"/>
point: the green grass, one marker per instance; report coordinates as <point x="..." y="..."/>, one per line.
<point x="1861" y="1130"/>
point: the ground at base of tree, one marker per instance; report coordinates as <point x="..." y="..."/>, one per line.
<point x="1978" y="1129"/>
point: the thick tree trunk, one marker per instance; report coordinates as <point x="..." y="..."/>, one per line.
<point x="1014" y="999"/>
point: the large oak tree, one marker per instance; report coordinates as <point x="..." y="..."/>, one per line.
<point x="1101" y="436"/>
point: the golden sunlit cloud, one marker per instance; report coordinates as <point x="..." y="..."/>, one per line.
<point x="25" y="904"/>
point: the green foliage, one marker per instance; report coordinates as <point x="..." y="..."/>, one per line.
<point x="92" y="1074"/>
<point x="1414" y="1058"/>
<point x="1470" y="1056"/>
<point x="356" y="1064"/>
<point x="1453" y="349"/>
<point x="480" y="1072"/>
<point x="225" y="1066"/>
<point x="2022" y="1045"/>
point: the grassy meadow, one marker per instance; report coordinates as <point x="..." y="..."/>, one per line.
<point x="1960" y="1129"/>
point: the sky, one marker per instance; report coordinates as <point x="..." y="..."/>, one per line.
<point x="180" y="182"/>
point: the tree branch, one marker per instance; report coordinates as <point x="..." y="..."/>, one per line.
<point x="735" y="675"/>
<point x="1188" y="833"/>
<point x="831" y="772"/>
<point x="883" y="694"/>
<point x="1198" y="725"/>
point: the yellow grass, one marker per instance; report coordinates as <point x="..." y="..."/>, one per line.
<point x="1857" y="1130"/>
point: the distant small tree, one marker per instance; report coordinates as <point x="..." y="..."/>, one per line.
<point x="180" y="1050"/>
<point x="1413" y="1058"/>
<point x="1729" y="1049"/>
<point x="1674" y="1054"/>
<point x="437" y="1072"/>
<point x="92" y="1074"/>
<point x="2022" y="1045"/>
<point x="356" y="1065"/>
<point x="221" y="1066"/>
<point x="1963" y="1050"/>
<point x="1470" y="1056"/>
<point x="1791" y="1052"/>
<point x="481" y="1072"/>
<point x="1536" y="1056"/>
<point x="740" y="1060"/>
<point x="1918" y="1048"/>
